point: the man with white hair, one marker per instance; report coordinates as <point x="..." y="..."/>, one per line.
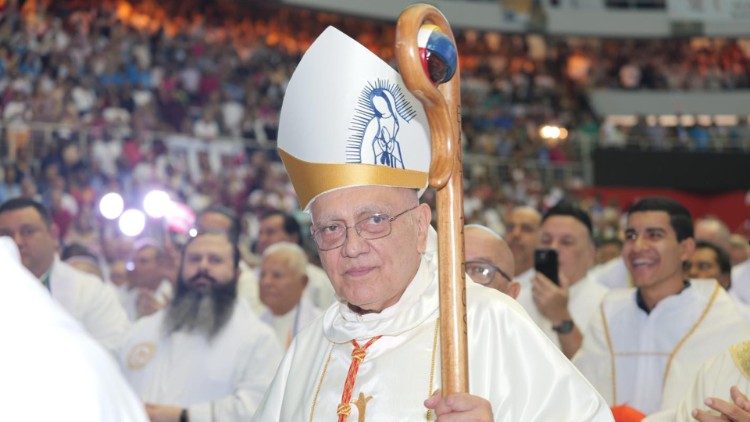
<point x="206" y="356"/>
<point x="373" y="356"/>
<point x="489" y="260"/>
<point x="282" y="283"/>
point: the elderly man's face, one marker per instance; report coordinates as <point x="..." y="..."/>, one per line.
<point x="372" y="274"/>
<point x="281" y="286"/>
<point x="483" y="247"/>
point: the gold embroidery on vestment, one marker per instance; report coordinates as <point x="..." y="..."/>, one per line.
<point x="741" y="355"/>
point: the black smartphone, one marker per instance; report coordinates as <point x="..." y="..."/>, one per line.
<point x="545" y="262"/>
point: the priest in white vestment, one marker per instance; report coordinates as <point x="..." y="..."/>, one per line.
<point x="375" y="355"/>
<point x="489" y="260"/>
<point x="714" y="380"/>
<point x="282" y="283"/>
<point x="206" y="357"/>
<point x="566" y="308"/>
<point x="646" y="344"/>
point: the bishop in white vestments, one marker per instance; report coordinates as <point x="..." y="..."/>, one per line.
<point x="375" y="356"/>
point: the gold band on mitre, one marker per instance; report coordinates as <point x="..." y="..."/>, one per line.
<point x="312" y="179"/>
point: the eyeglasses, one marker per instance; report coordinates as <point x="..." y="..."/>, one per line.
<point x="333" y="234"/>
<point x="484" y="272"/>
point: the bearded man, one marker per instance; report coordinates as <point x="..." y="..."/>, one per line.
<point x="206" y="356"/>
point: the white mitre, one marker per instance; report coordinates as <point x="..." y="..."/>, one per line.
<point x="349" y="120"/>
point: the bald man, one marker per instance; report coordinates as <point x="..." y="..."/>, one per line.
<point x="713" y="230"/>
<point x="489" y="260"/>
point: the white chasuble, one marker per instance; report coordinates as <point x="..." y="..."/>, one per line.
<point x="714" y="379"/>
<point x="648" y="361"/>
<point x="511" y="363"/>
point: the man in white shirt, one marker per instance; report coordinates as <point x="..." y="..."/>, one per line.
<point x="84" y="296"/>
<point x="567" y="307"/>
<point x="282" y="283"/>
<point x="646" y="344"/>
<point x="206" y="356"/>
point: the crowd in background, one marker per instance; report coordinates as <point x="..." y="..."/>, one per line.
<point x="91" y="98"/>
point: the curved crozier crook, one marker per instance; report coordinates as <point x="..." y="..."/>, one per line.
<point x="440" y="103"/>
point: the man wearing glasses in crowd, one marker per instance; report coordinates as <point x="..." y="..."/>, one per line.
<point x="489" y="260"/>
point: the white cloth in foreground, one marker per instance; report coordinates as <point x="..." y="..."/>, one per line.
<point x="583" y="301"/>
<point x="287" y="326"/>
<point x="741" y="282"/>
<point x="222" y="380"/>
<point x="90" y="301"/>
<point x="51" y="369"/>
<point x="511" y="363"/>
<point x="714" y="379"/>
<point x="648" y="361"/>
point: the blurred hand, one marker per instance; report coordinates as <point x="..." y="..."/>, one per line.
<point x="163" y="413"/>
<point x="550" y="299"/>
<point x="737" y="411"/>
<point x="459" y="407"/>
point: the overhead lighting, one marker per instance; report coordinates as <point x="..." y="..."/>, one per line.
<point x="111" y="205"/>
<point x="132" y="222"/>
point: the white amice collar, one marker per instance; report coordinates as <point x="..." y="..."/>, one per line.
<point x="418" y="304"/>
